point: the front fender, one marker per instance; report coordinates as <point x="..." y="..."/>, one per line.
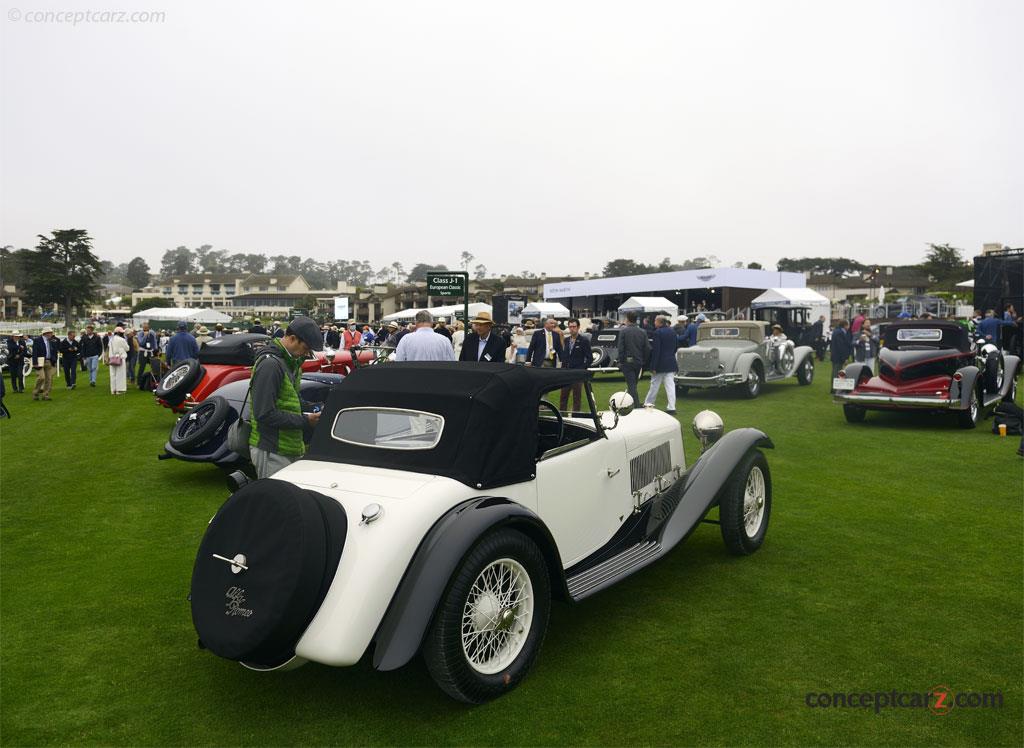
<point x="706" y="479"/>
<point x="401" y="631"/>
<point x="858" y="372"/>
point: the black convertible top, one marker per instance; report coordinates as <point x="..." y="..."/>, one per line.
<point x="952" y="335"/>
<point x="490" y="413"/>
<point x="239" y="349"/>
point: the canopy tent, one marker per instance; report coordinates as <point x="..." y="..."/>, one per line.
<point x="789" y="297"/>
<point x="546" y="309"/>
<point x="649" y="305"/>
<point x="966" y="284"/>
<point x="177" y="314"/>
<point x="449" y="311"/>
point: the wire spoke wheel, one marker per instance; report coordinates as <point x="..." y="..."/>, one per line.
<point x="173" y="378"/>
<point x="497" y="616"/>
<point x="753" y="502"/>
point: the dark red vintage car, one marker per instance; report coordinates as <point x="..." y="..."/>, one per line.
<point x="230" y="359"/>
<point x="929" y="365"/>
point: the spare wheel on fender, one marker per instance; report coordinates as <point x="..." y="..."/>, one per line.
<point x="178" y="382"/>
<point x="282" y="544"/>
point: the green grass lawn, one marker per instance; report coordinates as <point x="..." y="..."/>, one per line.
<point x="893" y="561"/>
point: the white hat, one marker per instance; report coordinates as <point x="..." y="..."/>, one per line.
<point x="683" y="318"/>
<point x="16" y="333"/>
<point x="46" y="330"/>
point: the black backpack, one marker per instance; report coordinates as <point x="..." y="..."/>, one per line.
<point x="147" y="382"/>
<point x="1010" y="414"/>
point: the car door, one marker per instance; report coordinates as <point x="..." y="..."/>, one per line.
<point x="581" y="494"/>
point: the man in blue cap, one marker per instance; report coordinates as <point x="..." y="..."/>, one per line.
<point x="181" y="346"/>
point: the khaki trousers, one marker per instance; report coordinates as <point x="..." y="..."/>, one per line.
<point x="44" y="380"/>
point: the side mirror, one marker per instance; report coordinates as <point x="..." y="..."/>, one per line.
<point x="708" y="427"/>
<point x="621" y="403"/>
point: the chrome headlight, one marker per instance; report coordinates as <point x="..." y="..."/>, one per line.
<point x="708" y="427"/>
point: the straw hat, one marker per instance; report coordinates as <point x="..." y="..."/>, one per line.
<point x="202" y="330"/>
<point x="15" y="333"/>
<point x="483" y="318"/>
<point x="47" y="330"/>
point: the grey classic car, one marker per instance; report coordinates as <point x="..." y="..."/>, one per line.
<point x="737" y="352"/>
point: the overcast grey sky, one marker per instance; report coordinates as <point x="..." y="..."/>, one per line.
<point x="549" y="136"/>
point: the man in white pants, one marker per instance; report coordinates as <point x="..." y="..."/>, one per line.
<point x="663" y="364"/>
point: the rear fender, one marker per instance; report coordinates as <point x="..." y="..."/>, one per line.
<point x="858" y="372"/>
<point x="800" y="353"/>
<point x="1011" y="369"/>
<point x="707" y="478"/>
<point x="412" y="608"/>
<point x="969" y="382"/>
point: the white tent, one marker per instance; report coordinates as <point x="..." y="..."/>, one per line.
<point x="438" y="311"/>
<point x="794" y="298"/>
<point x="546" y="309"/>
<point x="177" y="314"/>
<point x="649" y="305"/>
<point x="966" y="284"/>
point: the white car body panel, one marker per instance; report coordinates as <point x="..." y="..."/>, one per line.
<point x="582" y="495"/>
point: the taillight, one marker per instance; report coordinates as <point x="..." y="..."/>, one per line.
<point x="842" y="375"/>
<point x="958" y="377"/>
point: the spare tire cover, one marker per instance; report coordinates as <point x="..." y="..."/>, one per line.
<point x="292" y="541"/>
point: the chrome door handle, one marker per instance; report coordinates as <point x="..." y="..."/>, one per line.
<point x="613" y="473"/>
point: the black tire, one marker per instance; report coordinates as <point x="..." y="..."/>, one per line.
<point x="443" y="649"/>
<point x="994" y="373"/>
<point x="740" y="539"/>
<point x="854" y="413"/>
<point x="597" y="356"/>
<point x="178" y="382"/>
<point x="805" y="374"/>
<point x="682" y="389"/>
<point x="752" y="387"/>
<point x="968" y="418"/>
<point x="203" y="423"/>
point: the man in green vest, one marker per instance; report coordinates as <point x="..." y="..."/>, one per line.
<point x="277" y="417"/>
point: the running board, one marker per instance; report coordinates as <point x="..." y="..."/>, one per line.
<point x="608" y="572"/>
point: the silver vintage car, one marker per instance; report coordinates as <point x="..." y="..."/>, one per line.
<point x="738" y="352"/>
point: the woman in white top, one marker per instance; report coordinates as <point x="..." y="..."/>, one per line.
<point x="457" y="337"/>
<point x="118" y="348"/>
<point x="520" y="345"/>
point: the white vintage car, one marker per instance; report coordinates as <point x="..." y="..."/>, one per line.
<point x="739" y="353"/>
<point x="440" y="509"/>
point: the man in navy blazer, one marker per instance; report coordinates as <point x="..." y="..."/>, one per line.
<point x="663" y="364"/>
<point x="545" y="346"/>
<point x="483" y="344"/>
<point x="575" y="355"/>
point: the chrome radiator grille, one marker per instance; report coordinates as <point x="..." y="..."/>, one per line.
<point x="645" y="467"/>
<point x="697" y="359"/>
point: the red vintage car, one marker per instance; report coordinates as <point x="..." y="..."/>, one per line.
<point x="229" y="359"/>
<point x="929" y="365"/>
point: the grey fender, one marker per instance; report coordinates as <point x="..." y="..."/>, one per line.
<point x="970" y="376"/>
<point x="799" y="354"/>
<point x="707" y="478"/>
<point x="1011" y="368"/>
<point x="745" y="360"/>
<point x="858" y="372"/>
<point x="412" y="607"/>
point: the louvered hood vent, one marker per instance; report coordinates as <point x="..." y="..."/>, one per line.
<point x="647" y="466"/>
